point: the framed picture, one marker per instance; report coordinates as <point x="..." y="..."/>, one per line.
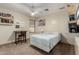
<point x="41" y="22"/>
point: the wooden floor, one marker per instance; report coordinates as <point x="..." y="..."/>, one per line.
<point x="26" y="49"/>
<point x="59" y="49"/>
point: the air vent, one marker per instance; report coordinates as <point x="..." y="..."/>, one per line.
<point x="68" y="5"/>
<point x="46" y="9"/>
<point x="62" y="7"/>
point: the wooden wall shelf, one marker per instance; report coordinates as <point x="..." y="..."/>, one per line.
<point x="6" y="24"/>
<point x="6" y="19"/>
<point x="74" y="21"/>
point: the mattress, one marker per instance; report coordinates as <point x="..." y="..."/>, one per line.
<point x="45" y="41"/>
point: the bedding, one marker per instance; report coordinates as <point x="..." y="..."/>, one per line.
<point x="45" y="41"/>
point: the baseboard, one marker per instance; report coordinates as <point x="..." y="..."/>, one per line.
<point x="6" y="43"/>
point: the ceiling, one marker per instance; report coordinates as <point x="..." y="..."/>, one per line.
<point x="35" y="9"/>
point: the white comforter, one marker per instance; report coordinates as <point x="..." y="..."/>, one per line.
<point x="45" y="41"/>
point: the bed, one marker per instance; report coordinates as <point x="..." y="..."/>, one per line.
<point x="45" y="41"/>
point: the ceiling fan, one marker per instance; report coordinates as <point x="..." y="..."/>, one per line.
<point x="39" y="11"/>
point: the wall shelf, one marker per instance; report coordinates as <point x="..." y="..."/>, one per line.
<point x="10" y="24"/>
<point x="73" y="28"/>
<point x="6" y="19"/>
<point x="74" y="21"/>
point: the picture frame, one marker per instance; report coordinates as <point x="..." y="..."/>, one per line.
<point x="41" y="22"/>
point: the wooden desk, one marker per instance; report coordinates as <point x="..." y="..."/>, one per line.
<point x="20" y="36"/>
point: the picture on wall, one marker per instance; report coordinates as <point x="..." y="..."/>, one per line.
<point x="6" y="18"/>
<point x="41" y="22"/>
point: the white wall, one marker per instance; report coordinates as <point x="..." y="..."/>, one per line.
<point x="7" y="32"/>
<point x="57" y="22"/>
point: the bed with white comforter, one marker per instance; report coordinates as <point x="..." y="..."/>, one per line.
<point x="45" y="41"/>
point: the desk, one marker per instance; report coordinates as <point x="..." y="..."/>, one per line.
<point x="20" y="36"/>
